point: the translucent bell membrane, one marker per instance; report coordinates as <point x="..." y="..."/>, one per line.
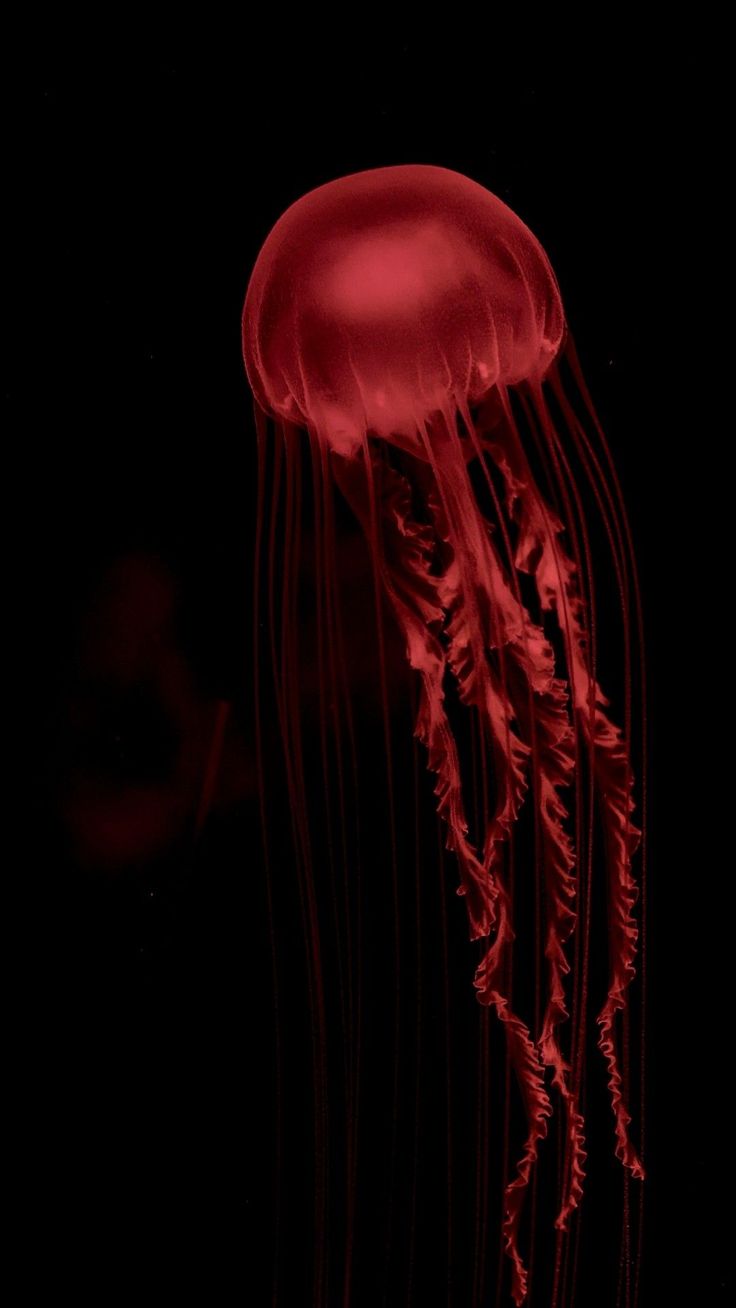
<point x="380" y="297"/>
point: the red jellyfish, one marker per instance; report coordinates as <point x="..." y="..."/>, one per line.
<point x="412" y="325"/>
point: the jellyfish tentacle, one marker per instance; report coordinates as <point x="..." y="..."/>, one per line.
<point x="413" y="591"/>
<point x="529" y="1071"/>
<point x="555" y="766"/>
<point x="539" y="703"/>
<point x="480" y="618"/>
<point x="541" y="554"/>
<point x="421" y="600"/>
<point x="544" y="714"/>
<point x="486" y="616"/>
<point x="416" y="596"/>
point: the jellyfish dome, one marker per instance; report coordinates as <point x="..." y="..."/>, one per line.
<point x="411" y="325"/>
<point x="382" y="297"/>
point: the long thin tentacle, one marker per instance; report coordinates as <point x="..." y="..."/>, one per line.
<point x="413" y="591"/>
<point x="541" y="554"/>
<point x="526" y="693"/>
<point x="419" y="599"/>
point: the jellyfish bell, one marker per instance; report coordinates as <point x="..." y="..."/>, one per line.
<point x="383" y="297"/>
<point x="408" y="308"/>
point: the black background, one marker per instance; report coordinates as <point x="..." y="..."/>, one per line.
<point x="144" y="176"/>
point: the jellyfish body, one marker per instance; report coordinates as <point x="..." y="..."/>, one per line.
<point x="412" y="324"/>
